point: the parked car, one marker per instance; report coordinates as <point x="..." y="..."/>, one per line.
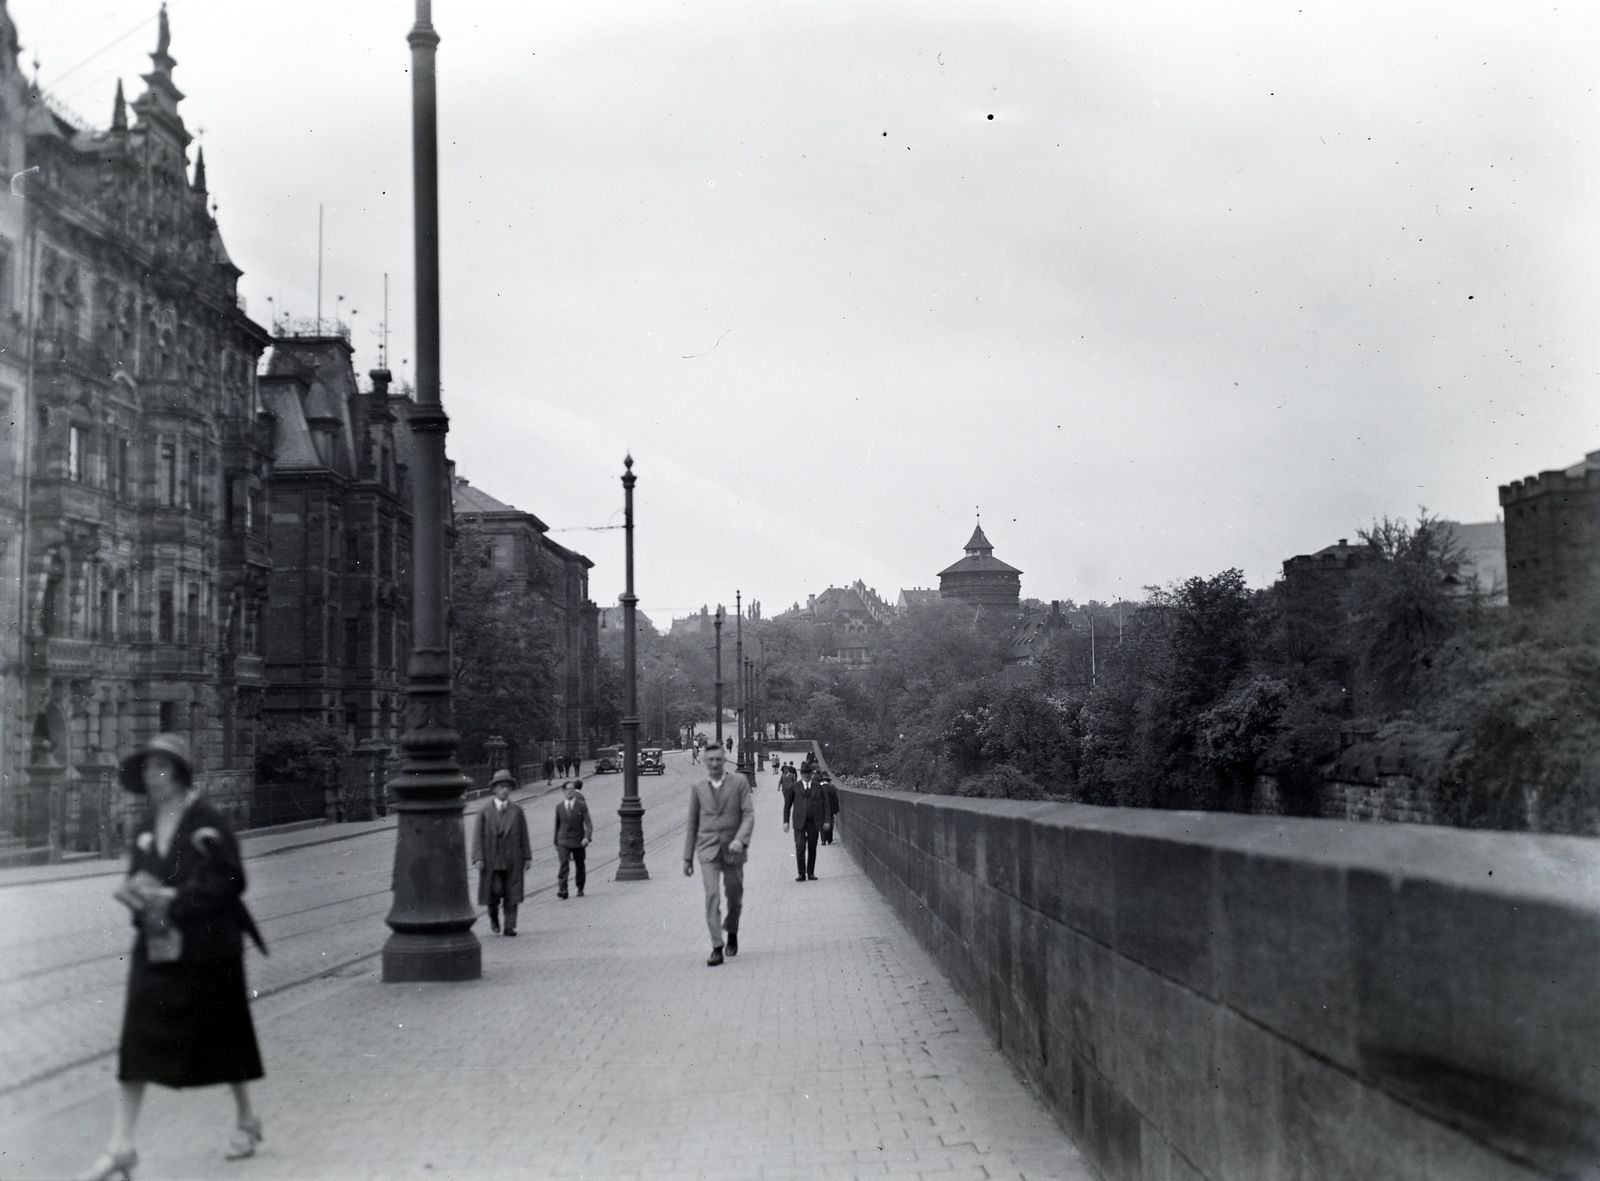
<point x="608" y="758"/>
<point x="651" y="762"/>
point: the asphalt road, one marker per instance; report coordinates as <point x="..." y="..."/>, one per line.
<point x="320" y="906"/>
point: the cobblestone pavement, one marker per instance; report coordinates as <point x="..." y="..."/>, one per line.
<point x="598" y="1045"/>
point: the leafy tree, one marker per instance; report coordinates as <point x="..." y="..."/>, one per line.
<point x="1239" y="730"/>
<point x="503" y="650"/>
<point x="1405" y="601"/>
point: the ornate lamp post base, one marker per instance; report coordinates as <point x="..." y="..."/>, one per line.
<point x="630" y="860"/>
<point x="409" y="957"/>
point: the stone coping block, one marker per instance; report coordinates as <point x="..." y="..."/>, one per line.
<point x="1267" y="996"/>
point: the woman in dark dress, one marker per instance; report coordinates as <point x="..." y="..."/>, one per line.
<point x="187" y="1020"/>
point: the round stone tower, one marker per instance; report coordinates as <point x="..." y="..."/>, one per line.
<point x="980" y="578"/>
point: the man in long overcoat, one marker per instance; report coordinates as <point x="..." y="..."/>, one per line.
<point x="574" y="831"/>
<point x="501" y="851"/>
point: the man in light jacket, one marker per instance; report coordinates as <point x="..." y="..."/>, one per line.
<point x="722" y="815"/>
<point x="574" y="831"/>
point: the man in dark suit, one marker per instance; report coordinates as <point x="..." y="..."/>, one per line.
<point x="501" y="851"/>
<point x="806" y="804"/>
<point x="574" y="831"/>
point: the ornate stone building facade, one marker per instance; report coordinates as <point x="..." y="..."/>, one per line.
<point x="14" y="727"/>
<point x="148" y="453"/>
<point x="339" y="608"/>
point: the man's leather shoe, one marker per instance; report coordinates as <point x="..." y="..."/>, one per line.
<point x="510" y="932"/>
<point x="811" y="877"/>
<point x="800" y="877"/>
<point x="494" y="924"/>
<point x="580" y="891"/>
<point x="716" y="957"/>
<point x="733" y="943"/>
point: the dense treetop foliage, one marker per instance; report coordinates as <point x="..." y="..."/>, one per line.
<point x="1187" y="698"/>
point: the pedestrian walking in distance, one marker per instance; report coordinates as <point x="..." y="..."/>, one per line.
<point x="574" y="831"/>
<point x="549" y="770"/>
<point x="501" y="851"/>
<point x="722" y="815"/>
<point x="187" y="1019"/>
<point x="832" y="793"/>
<point x="806" y="804"/>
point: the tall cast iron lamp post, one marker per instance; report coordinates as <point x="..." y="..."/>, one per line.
<point x="738" y="677"/>
<point x="630" y="855"/>
<point x="432" y="915"/>
<point x="717" y="624"/>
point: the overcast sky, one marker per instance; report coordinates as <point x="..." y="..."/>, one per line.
<point x="1163" y="288"/>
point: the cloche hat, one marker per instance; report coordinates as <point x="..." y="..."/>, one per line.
<point x="173" y="746"/>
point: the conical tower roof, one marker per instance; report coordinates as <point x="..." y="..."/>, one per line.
<point x="980" y="558"/>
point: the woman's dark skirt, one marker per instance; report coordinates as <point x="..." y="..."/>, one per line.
<point x="188" y="1024"/>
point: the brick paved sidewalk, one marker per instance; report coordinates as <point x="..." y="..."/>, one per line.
<point x="598" y="1045"/>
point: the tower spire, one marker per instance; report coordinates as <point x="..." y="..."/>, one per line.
<point x="119" y="110"/>
<point x="200" y="171"/>
<point x="158" y="106"/>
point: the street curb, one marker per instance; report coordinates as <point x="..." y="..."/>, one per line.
<point x="112" y="866"/>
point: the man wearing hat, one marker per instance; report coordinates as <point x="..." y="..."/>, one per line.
<point x="574" y="831"/>
<point x="501" y="851"/>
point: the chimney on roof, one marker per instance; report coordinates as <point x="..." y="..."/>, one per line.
<point x="380" y="381"/>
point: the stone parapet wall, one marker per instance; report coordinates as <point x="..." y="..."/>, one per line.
<point x="1225" y="997"/>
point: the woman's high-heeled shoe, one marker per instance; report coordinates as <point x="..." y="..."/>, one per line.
<point x="245" y="1139"/>
<point x="113" y="1166"/>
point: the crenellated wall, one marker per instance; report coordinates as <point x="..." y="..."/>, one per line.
<point x="1203" y="995"/>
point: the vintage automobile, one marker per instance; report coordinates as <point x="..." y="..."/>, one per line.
<point x="651" y="762"/>
<point x="608" y="758"/>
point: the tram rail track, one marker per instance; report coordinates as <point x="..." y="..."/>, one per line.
<point x="655" y="844"/>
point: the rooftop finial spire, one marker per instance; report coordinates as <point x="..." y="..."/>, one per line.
<point x="164" y="37"/>
<point x="200" y="171"/>
<point x="119" y="110"/>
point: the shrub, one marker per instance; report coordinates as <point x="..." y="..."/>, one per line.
<point x="300" y="752"/>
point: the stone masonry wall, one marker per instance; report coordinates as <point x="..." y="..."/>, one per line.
<point x="1230" y="997"/>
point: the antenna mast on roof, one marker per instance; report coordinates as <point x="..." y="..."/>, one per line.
<point x="319" y="268"/>
<point x="383" y="340"/>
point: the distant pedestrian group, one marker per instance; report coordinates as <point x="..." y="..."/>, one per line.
<point x="566" y="766"/>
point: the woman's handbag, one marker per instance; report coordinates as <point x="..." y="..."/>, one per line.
<point x="151" y="904"/>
